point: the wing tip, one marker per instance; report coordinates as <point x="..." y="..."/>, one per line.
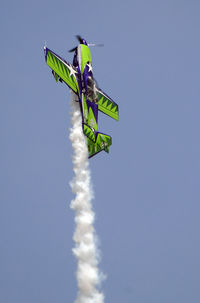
<point x="45" y="52"/>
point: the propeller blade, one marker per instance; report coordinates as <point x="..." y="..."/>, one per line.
<point x="94" y="44"/>
<point x="80" y="41"/>
<point x="72" y="50"/>
<point x="79" y="38"/>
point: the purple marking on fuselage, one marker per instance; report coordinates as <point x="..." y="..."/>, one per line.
<point x="87" y="74"/>
<point x="94" y="109"/>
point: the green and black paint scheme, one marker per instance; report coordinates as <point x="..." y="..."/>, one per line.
<point x="79" y="78"/>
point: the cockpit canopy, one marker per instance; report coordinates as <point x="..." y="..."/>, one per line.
<point x="92" y="89"/>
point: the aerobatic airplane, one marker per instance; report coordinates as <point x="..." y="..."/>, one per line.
<point x="79" y="78"/>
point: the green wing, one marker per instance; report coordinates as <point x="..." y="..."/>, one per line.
<point x="62" y="69"/>
<point x="107" y="105"/>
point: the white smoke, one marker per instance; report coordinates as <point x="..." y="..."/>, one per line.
<point x="85" y="250"/>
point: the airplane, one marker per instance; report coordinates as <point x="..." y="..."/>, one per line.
<point x="79" y="78"/>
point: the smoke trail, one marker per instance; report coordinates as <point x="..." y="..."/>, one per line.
<point x="85" y="250"/>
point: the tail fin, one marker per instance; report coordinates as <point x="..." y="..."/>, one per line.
<point x="103" y="142"/>
<point x="96" y="141"/>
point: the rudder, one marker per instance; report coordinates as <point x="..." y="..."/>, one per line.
<point x="103" y="142"/>
<point x="96" y="141"/>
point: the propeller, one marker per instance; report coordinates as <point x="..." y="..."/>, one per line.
<point x="94" y="44"/>
<point x="82" y="41"/>
<point x="72" y="50"/>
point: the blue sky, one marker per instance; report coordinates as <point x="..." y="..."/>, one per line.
<point x="146" y="190"/>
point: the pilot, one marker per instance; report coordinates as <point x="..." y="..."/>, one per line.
<point x="91" y="89"/>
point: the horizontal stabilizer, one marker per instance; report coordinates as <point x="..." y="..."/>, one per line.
<point x="96" y="141"/>
<point x="89" y="132"/>
<point x="104" y="141"/>
<point x="93" y="148"/>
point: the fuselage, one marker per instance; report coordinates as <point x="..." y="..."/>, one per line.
<point x="83" y="63"/>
